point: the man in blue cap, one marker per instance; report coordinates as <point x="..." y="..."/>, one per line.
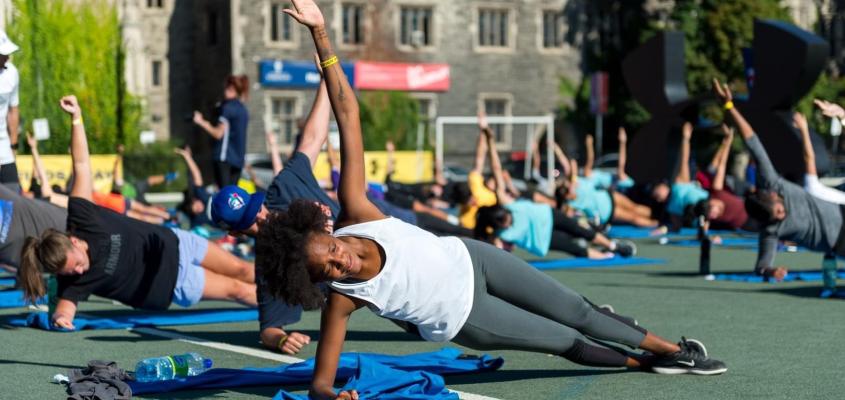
<point x="235" y="210"/>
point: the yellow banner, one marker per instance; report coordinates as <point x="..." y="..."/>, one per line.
<point x="59" y="170"/>
<point x="411" y="167"/>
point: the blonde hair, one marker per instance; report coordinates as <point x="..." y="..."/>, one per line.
<point x="47" y="253"/>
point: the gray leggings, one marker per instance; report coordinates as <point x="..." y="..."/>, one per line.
<point x="517" y="307"/>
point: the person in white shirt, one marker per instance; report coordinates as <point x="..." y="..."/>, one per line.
<point x="450" y="289"/>
<point x="9" y="114"/>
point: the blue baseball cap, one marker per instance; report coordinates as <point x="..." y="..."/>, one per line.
<point x="233" y="209"/>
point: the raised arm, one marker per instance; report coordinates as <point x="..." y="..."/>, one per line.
<point x="352" y="192"/>
<point x="766" y="171"/>
<point x="722" y="155"/>
<point x="196" y="175"/>
<point x="623" y="154"/>
<point x="501" y="189"/>
<point x="38" y="165"/>
<point x="683" y="172"/>
<point x="117" y="170"/>
<point x="273" y="151"/>
<point x="82" y="183"/>
<point x="390" y="149"/>
<point x="316" y="127"/>
<point x="564" y="162"/>
<point x="481" y="144"/>
<point x="809" y="155"/>
<point x="590" y="155"/>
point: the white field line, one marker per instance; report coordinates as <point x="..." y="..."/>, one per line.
<point x="258" y="353"/>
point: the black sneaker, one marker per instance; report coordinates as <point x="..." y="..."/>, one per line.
<point x="625" y="248"/>
<point x="692" y="359"/>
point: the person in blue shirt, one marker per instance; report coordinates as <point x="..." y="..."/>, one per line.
<point x="683" y="195"/>
<point x="229" y="131"/>
<point x="537" y="227"/>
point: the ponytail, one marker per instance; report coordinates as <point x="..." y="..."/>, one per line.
<point x="47" y="253"/>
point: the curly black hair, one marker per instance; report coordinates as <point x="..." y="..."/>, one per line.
<point x="280" y="250"/>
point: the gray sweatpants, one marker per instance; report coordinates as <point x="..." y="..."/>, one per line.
<point x="517" y="307"/>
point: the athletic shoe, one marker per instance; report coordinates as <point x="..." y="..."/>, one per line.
<point x="625" y="248"/>
<point x="691" y="359"/>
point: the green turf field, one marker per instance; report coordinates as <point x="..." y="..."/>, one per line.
<point x="778" y="340"/>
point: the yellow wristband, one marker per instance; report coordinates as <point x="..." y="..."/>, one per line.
<point x="282" y="341"/>
<point x="77" y="121"/>
<point x="729" y="105"/>
<point x="328" y="63"/>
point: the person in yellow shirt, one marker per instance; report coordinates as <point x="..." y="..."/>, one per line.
<point x="475" y="194"/>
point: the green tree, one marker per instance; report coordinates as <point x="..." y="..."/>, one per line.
<point x="74" y="47"/>
<point x="389" y="115"/>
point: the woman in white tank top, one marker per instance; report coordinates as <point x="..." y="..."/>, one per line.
<point x="449" y="288"/>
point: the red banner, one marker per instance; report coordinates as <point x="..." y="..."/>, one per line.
<point x="408" y="77"/>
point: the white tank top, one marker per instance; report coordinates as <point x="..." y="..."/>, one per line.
<point x="426" y="280"/>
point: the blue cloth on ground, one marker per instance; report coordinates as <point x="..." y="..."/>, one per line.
<point x="588" y="263"/>
<point x="792" y="276"/>
<point x="41" y="320"/>
<point x="14" y="298"/>
<point x="359" y="366"/>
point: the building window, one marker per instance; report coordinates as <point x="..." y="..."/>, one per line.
<point x="493" y="27"/>
<point x="283" y="116"/>
<point x="156" y="73"/>
<point x="155" y="3"/>
<point x="415" y="26"/>
<point x="498" y="107"/>
<point x="553" y="29"/>
<point x="352" y="23"/>
<point x="281" y="25"/>
<point x="212" y="28"/>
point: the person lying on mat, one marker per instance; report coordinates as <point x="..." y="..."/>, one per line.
<point x="723" y="209"/>
<point x="111" y="255"/>
<point x="783" y="209"/>
<point x="452" y="289"/>
<point x="538" y="227"/>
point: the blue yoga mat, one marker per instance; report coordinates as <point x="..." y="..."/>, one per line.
<point x="14" y="298"/>
<point x="726" y="242"/>
<point x="41" y="320"/>
<point x="635" y="232"/>
<point x="413" y="376"/>
<point x="793" y="276"/>
<point x="7" y="281"/>
<point x="588" y="263"/>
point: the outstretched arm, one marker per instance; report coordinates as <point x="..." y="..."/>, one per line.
<point x="317" y="124"/>
<point x="82" y="183"/>
<point x="481" y="144"/>
<point x="352" y="192"/>
<point x="196" y="175"/>
<point x="722" y="154"/>
<point x="683" y="173"/>
<point x="117" y="170"/>
<point x="768" y="174"/>
<point x="273" y="149"/>
<point x="496" y="166"/>
<point x="591" y="155"/>
<point x="564" y="162"/>
<point x="333" y="322"/>
<point x="40" y="173"/>
<point x="623" y="155"/>
<point x="809" y="155"/>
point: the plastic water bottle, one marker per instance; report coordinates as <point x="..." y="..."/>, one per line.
<point x="171" y="367"/>
<point x="829" y="272"/>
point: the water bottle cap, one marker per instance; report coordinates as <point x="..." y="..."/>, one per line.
<point x="206" y="363"/>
